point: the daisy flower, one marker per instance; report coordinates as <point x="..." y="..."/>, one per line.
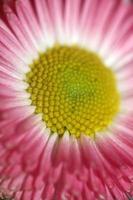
<point x="66" y="99"/>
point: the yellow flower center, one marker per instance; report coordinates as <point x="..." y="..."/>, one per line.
<point x="73" y="90"/>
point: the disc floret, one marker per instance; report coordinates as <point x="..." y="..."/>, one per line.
<point x="73" y="90"/>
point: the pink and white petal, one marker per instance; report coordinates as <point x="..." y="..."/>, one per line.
<point x="113" y="27"/>
<point x="11" y="44"/>
<point x="61" y="151"/>
<point x="45" y="22"/>
<point x="45" y="165"/>
<point x="19" y="71"/>
<point x="74" y="161"/>
<point x="14" y="60"/>
<point x="56" y="12"/>
<point x="4" y="26"/>
<point x="11" y="123"/>
<point x="87" y="23"/>
<point x="30" y="24"/>
<point x="11" y="73"/>
<point x="71" y="19"/>
<point x="19" y="31"/>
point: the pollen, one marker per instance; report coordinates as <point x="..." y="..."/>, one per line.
<point x="73" y="90"/>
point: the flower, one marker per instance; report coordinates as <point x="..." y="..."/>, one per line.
<point x="66" y="117"/>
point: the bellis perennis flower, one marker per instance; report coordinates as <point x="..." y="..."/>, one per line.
<point x="66" y="100"/>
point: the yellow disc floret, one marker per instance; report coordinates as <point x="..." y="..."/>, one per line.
<point x="73" y="90"/>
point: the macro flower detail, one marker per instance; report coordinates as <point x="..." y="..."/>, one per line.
<point x="66" y="94"/>
<point x="73" y="91"/>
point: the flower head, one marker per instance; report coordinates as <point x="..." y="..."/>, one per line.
<point x="66" y="117"/>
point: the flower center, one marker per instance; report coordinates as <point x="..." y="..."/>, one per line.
<point x="73" y="90"/>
